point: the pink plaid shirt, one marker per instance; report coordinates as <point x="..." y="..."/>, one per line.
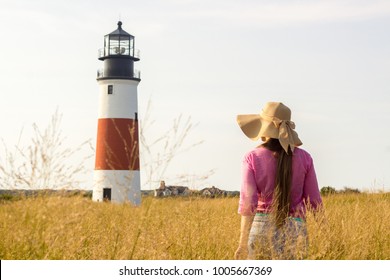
<point x="258" y="183"/>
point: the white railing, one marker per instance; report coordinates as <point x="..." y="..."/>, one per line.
<point x="136" y="74"/>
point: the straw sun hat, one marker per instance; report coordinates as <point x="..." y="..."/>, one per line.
<point x="274" y="121"/>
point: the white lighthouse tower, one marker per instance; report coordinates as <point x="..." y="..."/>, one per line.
<point x="117" y="168"/>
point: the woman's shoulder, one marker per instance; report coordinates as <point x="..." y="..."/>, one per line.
<point x="260" y="150"/>
<point x="258" y="153"/>
<point x="299" y="150"/>
<point x="303" y="154"/>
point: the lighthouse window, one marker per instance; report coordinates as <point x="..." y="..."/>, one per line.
<point x="110" y="89"/>
<point x="106" y="194"/>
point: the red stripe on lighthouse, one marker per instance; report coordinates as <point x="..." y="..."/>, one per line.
<point x="117" y="145"/>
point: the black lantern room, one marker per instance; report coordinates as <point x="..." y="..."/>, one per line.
<point x="119" y="54"/>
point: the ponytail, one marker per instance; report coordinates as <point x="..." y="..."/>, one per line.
<point x="281" y="196"/>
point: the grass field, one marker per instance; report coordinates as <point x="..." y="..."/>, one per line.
<point x="354" y="226"/>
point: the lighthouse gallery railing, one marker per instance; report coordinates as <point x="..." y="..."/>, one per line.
<point x="136" y="74"/>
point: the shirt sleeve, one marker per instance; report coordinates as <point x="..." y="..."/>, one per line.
<point x="311" y="192"/>
<point x="248" y="194"/>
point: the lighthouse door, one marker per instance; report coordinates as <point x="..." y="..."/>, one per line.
<point x="107" y="194"/>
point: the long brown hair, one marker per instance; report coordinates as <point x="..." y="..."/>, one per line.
<point x="281" y="196"/>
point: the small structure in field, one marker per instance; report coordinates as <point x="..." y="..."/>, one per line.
<point x="212" y="192"/>
<point x="164" y="191"/>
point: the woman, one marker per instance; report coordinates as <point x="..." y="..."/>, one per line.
<point x="278" y="185"/>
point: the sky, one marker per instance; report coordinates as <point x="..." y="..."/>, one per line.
<point x="329" y="61"/>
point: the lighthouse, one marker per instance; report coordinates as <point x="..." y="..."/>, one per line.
<point x="117" y="167"/>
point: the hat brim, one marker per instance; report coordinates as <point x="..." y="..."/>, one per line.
<point x="250" y="125"/>
<point x="255" y="128"/>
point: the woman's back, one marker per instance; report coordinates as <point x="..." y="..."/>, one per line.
<point x="258" y="182"/>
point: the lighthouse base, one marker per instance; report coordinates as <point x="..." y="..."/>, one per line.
<point x="117" y="186"/>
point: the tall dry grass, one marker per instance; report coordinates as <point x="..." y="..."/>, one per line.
<point x="45" y="162"/>
<point x="157" y="152"/>
<point x="357" y="226"/>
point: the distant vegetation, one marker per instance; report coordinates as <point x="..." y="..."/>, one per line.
<point x="353" y="226"/>
<point x="329" y="190"/>
<point x="18" y="194"/>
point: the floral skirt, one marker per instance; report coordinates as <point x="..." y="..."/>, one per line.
<point x="288" y="242"/>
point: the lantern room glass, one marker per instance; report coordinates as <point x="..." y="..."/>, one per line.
<point x="118" y="45"/>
